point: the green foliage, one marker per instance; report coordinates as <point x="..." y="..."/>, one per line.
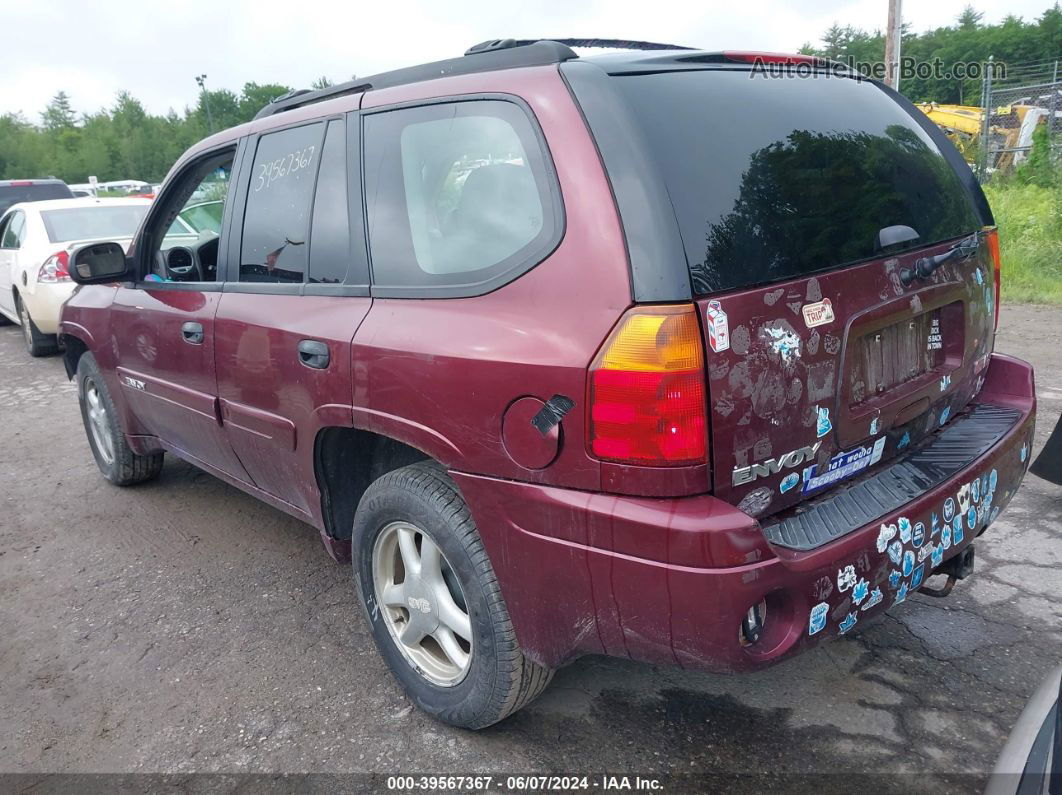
<point x="1012" y="41"/>
<point x="1039" y="167"/>
<point x="122" y="142"/>
<point x="1029" y="217"/>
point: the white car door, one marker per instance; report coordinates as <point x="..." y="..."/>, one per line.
<point x="12" y="230"/>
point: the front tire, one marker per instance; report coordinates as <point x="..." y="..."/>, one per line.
<point x="37" y="342"/>
<point x="433" y="601"/>
<point x="116" y="460"/>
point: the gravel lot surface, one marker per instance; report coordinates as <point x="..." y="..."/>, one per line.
<point x="184" y="627"/>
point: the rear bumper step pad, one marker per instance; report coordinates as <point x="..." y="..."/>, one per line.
<point x="963" y="441"/>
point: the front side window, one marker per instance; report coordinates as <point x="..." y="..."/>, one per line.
<point x="180" y="252"/>
<point x="277" y="217"/>
<point x="458" y="196"/>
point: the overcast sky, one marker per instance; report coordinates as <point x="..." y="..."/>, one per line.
<point x="154" y="48"/>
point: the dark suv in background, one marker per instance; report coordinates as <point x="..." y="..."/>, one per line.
<point x="679" y="356"/>
<point x="15" y="191"/>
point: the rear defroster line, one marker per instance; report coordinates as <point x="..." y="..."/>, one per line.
<point x="964" y="440"/>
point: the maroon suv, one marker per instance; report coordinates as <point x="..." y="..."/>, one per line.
<point x="678" y="356"/>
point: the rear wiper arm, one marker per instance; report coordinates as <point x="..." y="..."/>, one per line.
<point x="925" y="266"/>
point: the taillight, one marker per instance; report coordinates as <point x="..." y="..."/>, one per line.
<point x="992" y="238"/>
<point x="646" y="398"/>
<point x="54" y="269"/>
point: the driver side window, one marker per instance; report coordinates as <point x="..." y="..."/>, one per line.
<point x="185" y="238"/>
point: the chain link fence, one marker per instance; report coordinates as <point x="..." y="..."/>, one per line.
<point x="1027" y="96"/>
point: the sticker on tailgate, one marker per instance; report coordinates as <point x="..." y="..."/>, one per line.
<point x="842" y="466"/>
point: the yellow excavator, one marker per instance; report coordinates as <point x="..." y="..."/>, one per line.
<point x="1009" y="128"/>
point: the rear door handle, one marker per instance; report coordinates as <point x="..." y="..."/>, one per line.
<point x="192" y="333"/>
<point x="314" y="353"/>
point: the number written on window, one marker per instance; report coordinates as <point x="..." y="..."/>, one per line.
<point x="277" y="169"/>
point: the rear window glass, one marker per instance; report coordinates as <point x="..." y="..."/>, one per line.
<point x="778" y="177"/>
<point x="13" y="194"/>
<point x="93" y="222"/>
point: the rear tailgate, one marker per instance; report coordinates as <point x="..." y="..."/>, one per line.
<point x="827" y="376"/>
<point x="800" y="203"/>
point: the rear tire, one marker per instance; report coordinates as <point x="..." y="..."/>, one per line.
<point x="37" y="343"/>
<point x="116" y="460"/>
<point x="497" y="678"/>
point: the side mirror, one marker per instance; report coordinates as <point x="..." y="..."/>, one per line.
<point x="98" y="263"/>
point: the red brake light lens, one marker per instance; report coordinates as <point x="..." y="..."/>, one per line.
<point x="992" y="239"/>
<point x="775" y="58"/>
<point x="647" y="394"/>
<point x="55" y="268"/>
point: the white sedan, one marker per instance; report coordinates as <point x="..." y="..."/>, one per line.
<point x="36" y="239"/>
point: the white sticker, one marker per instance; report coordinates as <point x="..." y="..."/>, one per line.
<point x="819" y="313"/>
<point x="935" y="341"/>
<point x="718" y="328"/>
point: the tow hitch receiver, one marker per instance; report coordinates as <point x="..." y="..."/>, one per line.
<point x="957" y="568"/>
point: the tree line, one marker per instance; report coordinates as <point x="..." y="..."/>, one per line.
<point x="126" y="142"/>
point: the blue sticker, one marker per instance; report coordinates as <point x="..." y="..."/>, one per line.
<point x="901" y="594"/>
<point x="905" y="529"/>
<point x="949" y="509"/>
<point x="995" y="513"/>
<point x="971" y="518"/>
<point x="945" y="414"/>
<point x="916" y="578"/>
<point x="904" y="440"/>
<point x="945" y="537"/>
<point x="938" y="556"/>
<point x="843" y="465"/>
<point x="875" y="598"/>
<point x="1024" y="452"/>
<point x="895" y="552"/>
<point x="824" y="425"/>
<point x="980" y="278"/>
<point x="935" y="524"/>
<point x="945" y="382"/>
<point x="918" y="535"/>
<point x="894" y="579"/>
<point x="975" y="490"/>
<point x="908" y="563"/>
<point x="849" y="622"/>
<point x="859" y="593"/>
<point x="875" y="424"/>
<point x="992" y="480"/>
<point x="957" y="534"/>
<point x="790" y="481"/>
<point x="984" y="484"/>
<point x="817" y="621"/>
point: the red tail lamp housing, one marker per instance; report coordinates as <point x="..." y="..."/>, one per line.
<point x="992" y="239"/>
<point x="646" y="398"/>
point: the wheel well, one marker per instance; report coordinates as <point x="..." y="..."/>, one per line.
<point x="346" y="462"/>
<point x="74" y="348"/>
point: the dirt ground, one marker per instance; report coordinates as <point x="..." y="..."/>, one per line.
<point x="183" y="627"/>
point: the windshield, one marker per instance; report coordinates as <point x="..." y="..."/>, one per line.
<point x="779" y="177"/>
<point x="93" y="222"/>
<point x="13" y="194"/>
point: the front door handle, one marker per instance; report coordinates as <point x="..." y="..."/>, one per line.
<point x="192" y="333"/>
<point x="313" y="353"/>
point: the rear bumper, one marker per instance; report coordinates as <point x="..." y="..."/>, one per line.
<point x="45" y="303"/>
<point x="669" y="580"/>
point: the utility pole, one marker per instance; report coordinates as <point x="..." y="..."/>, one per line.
<point x="892" y="45"/>
<point x="201" y="82"/>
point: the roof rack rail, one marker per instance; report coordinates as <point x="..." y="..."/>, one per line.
<point x="492" y="45"/>
<point x="527" y="53"/>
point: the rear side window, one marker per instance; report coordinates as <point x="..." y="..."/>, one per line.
<point x="277" y="217"/>
<point x="13" y="233"/>
<point x="779" y="177"/>
<point x="330" y="234"/>
<point x="459" y="196"/>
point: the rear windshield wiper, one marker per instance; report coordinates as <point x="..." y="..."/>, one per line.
<point x="925" y="266"/>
